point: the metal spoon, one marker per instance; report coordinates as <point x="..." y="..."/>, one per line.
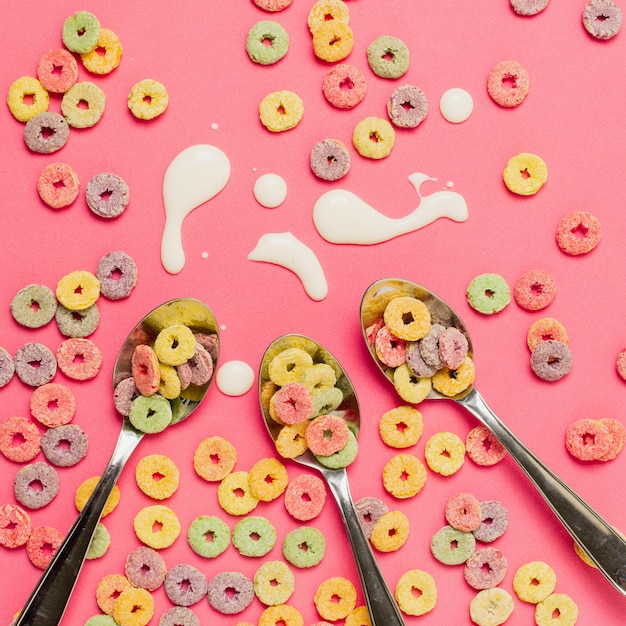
<point x="599" y="540"/>
<point x="381" y="604"/>
<point x="47" y="603"/>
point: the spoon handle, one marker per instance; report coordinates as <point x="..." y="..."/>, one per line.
<point x="604" y="546"/>
<point x="48" y="601"/>
<point x="381" y="604"/>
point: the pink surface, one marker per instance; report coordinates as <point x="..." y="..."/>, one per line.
<point x="573" y="118"/>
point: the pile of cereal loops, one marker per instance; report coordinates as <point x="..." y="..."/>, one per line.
<point x="99" y="50"/>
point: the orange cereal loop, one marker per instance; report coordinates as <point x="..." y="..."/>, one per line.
<point x="291" y="442"/>
<point x="335" y="598"/>
<point x="407" y="318"/>
<point x="390" y="532"/>
<point x="358" y="617"/>
<point x="281" y="614"/>
<point x="85" y="490"/>
<point x="327" y="10"/>
<point x="544" y="329"/>
<point x="401" y="427"/>
<point x="157" y="476"/>
<point x="108" y="590"/>
<point x="268" y="479"/>
<point x="106" y="56"/>
<point x="214" y="458"/>
<point x="445" y="453"/>
<point x="133" y="607"/>
<point x="78" y="290"/>
<point x="234" y="494"/>
<point x="333" y="41"/>
<point x="404" y="475"/>
<point x="452" y="382"/>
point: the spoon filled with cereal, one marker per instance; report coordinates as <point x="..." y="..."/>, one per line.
<point x="312" y="414"/>
<point x="424" y="349"/>
<point x="161" y="375"/>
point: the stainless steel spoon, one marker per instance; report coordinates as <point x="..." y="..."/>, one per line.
<point x="47" y="603"/>
<point x="381" y="604"/>
<point x="604" y="546"/>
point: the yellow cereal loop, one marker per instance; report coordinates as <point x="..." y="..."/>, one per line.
<point x="156" y="526"/>
<point x="409" y="387"/>
<point x="157" y="476"/>
<point x="133" y="607"/>
<point x="234" y="494"/>
<point x="169" y="387"/>
<point x="282" y="614"/>
<point x="452" y="382"/>
<point x="268" y="479"/>
<point x="404" y="475"/>
<point x="333" y="41"/>
<point x="373" y="138"/>
<point x="325" y="10"/>
<point x="401" y="427"/>
<point x="78" y="290"/>
<point x="491" y="607"/>
<point x="106" y="56"/>
<point x="390" y="531"/>
<point x="85" y="489"/>
<point x="416" y="592"/>
<point x="274" y="583"/>
<point x="175" y="344"/>
<point x="289" y="366"/>
<point x="319" y="377"/>
<point x="335" y="598"/>
<point x="358" y="617"/>
<point x="407" y="318"/>
<point x="525" y="174"/>
<point x="445" y="453"/>
<point x="281" y="110"/>
<point x="27" y="97"/>
<point x="534" y="581"/>
<point x="557" y="609"/>
<point x="290" y="442"/>
<point x="148" y="99"/>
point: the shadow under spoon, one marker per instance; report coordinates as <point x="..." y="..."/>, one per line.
<point x="48" y="602"/>
<point x="380" y="602"/>
<point x="604" y="546"/>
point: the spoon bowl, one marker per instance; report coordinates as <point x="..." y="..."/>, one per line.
<point x="380" y="602"/>
<point x="600" y="541"/>
<point x="48" y="602"/>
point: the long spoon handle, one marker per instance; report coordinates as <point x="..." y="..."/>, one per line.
<point x="48" y="602"/>
<point x="604" y="546"/>
<point x="382" y="607"/>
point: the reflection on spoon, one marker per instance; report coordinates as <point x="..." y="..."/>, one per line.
<point x="196" y="175"/>
<point x="341" y="216"/>
<point x="287" y="251"/>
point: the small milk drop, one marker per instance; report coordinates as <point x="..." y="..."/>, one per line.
<point x="456" y="105"/>
<point x="214" y="126"/>
<point x="270" y="190"/>
<point x="234" y="378"/>
<point x="205" y="255"/>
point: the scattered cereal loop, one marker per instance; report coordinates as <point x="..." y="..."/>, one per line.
<point x="416" y="592"/>
<point x="327" y="10"/>
<point x="46" y="133"/>
<point x="534" y="581"/>
<point x="602" y="19"/>
<point x="388" y="57"/>
<point x="148" y="99"/>
<point x="76" y="114"/>
<point x="578" y="232"/>
<point x="491" y="607"/>
<point x="560" y="604"/>
<point x="281" y="110"/>
<point x="525" y="174"/>
<point x="133" y="607"/>
<point x="445" y="453"/>
<point x="27" y="98"/>
<point x="390" y="532"/>
<point x="157" y="526"/>
<point x="401" y="427"/>
<point x="80" y="32"/>
<point x="404" y="476"/>
<point x="108" y="589"/>
<point x="214" y="458"/>
<point x="42" y="545"/>
<point x="234" y="494"/>
<point x="157" y="476"/>
<point x="106" y="54"/>
<point x="274" y="583"/>
<point x="508" y="84"/>
<point x="20" y="439"/>
<point x="58" y="185"/>
<point x="267" y="42"/>
<point x="15" y="526"/>
<point x="335" y="598"/>
<point x="57" y="70"/>
<point x="85" y="489"/>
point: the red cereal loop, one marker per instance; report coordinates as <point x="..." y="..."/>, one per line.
<point x="588" y="439"/>
<point x="20" y="439"/>
<point x="57" y="70"/>
<point x="535" y="290"/>
<point x="53" y="404"/>
<point x="618" y="438"/>
<point x="305" y="497"/>
<point x="390" y="350"/>
<point x="462" y="511"/>
<point x="15" y="526"/>
<point x="292" y="403"/>
<point x="327" y="434"/>
<point x="344" y="86"/>
<point x="79" y="358"/>
<point x="508" y="83"/>
<point x="58" y="185"/>
<point x="578" y="233"/>
<point x="42" y="545"/>
<point x="482" y="447"/>
<point x="272" y="5"/>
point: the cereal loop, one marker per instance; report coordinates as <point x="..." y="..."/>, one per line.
<point x="535" y="290"/>
<point x="482" y="447"/>
<point x="491" y="607"/>
<point x="404" y="475"/>
<point x="544" y="329"/>
<point x="445" y="453"/>
<point x="214" y="458"/>
<point x="559" y="604"/>
<point x="401" y="427"/>
<point x="175" y="344"/>
<point x="534" y="581"/>
<point x="335" y="598"/>
<point x="133" y="607"/>
<point x="106" y="54"/>
<point x="283" y="614"/>
<point x="20" y="439"/>
<point x="58" y="185"/>
<point x="281" y="110"/>
<point x="85" y="489"/>
<point x="373" y="138"/>
<point x="390" y="532"/>
<point x="451" y="382"/>
<point x="327" y="10"/>
<point x="407" y="318"/>
<point x="108" y="590"/>
<point x="27" y="98"/>
<point x="234" y="494"/>
<point x="78" y="290"/>
<point x="274" y="583"/>
<point x="268" y="479"/>
<point x="147" y="99"/>
<point x="410" y="388"/>
<point x="83" y="105"/>
<point x="508" y="83"/>
<point x="416" y="592"/>
<point x="525" y="174"/>
<point x="157" y="476"/>
<point x="156" y="526"/>
<point x="57" y="70"/>
<point x="333" y="41"/>
<point x="289" y="366"/>
<point x="578" y="233"/>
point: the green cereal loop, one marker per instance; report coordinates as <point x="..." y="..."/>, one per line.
<point x="344" y="457"/>
<point x="34" y="306"/>
<point x="304" y="547"/>
<point x="150" y="414"/>
<point x="101" y="620"/>
<point x="267" y="31"/>
<point x="254" y="536"/>
<point x="326" y="401"/>
<point x="80" y="32"/>
<point x="388" y="57"/>
<point x="208" y="536"/>
<point x="488" y="293"/>
<point x="99" y="543"/>
<point x="446" y="537"/>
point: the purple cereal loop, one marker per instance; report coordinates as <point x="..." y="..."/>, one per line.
<point x="179" y="616"/>
<point x="529" y="7"/>
<point x="230" y="592"/>
<point x="210" y="342"/>
<point x="369" y="511"/>
<point x="107" y="195"/>
<point x="486" y="568"/>
<point x="407" y="106"/>
<point x="35" y="365"/>
<point x="42" y="474"/>
<point x="123" y="395"/>
<point x="117" y="274"/>
<point x="602" y="19"/>
<point x="7" y="367"/>
<point x="416" y="363"/>
<point x="46" y="132"/>
<point x="453" y="347"/>
<point x="329" y="159"/>
<point x="54" y="449"/>
<point x="429" y="346"/>
<point x="145" y="568"/>
<point x="185" y="585"/>
<point x="201" y="366"/>
<point x="551" y="360"/>
<point x="494" y="521"/>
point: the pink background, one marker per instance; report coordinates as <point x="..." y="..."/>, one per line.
<point x="572" y="117"/>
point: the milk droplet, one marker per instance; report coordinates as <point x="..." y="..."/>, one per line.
<point x="287" y="251"/>
<point x="270" y="190"/>
<point x="456" y="105"/>
<point x="214" y="126"/>
<point x="205" y="255"/>
<point x="234" y="378"/>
